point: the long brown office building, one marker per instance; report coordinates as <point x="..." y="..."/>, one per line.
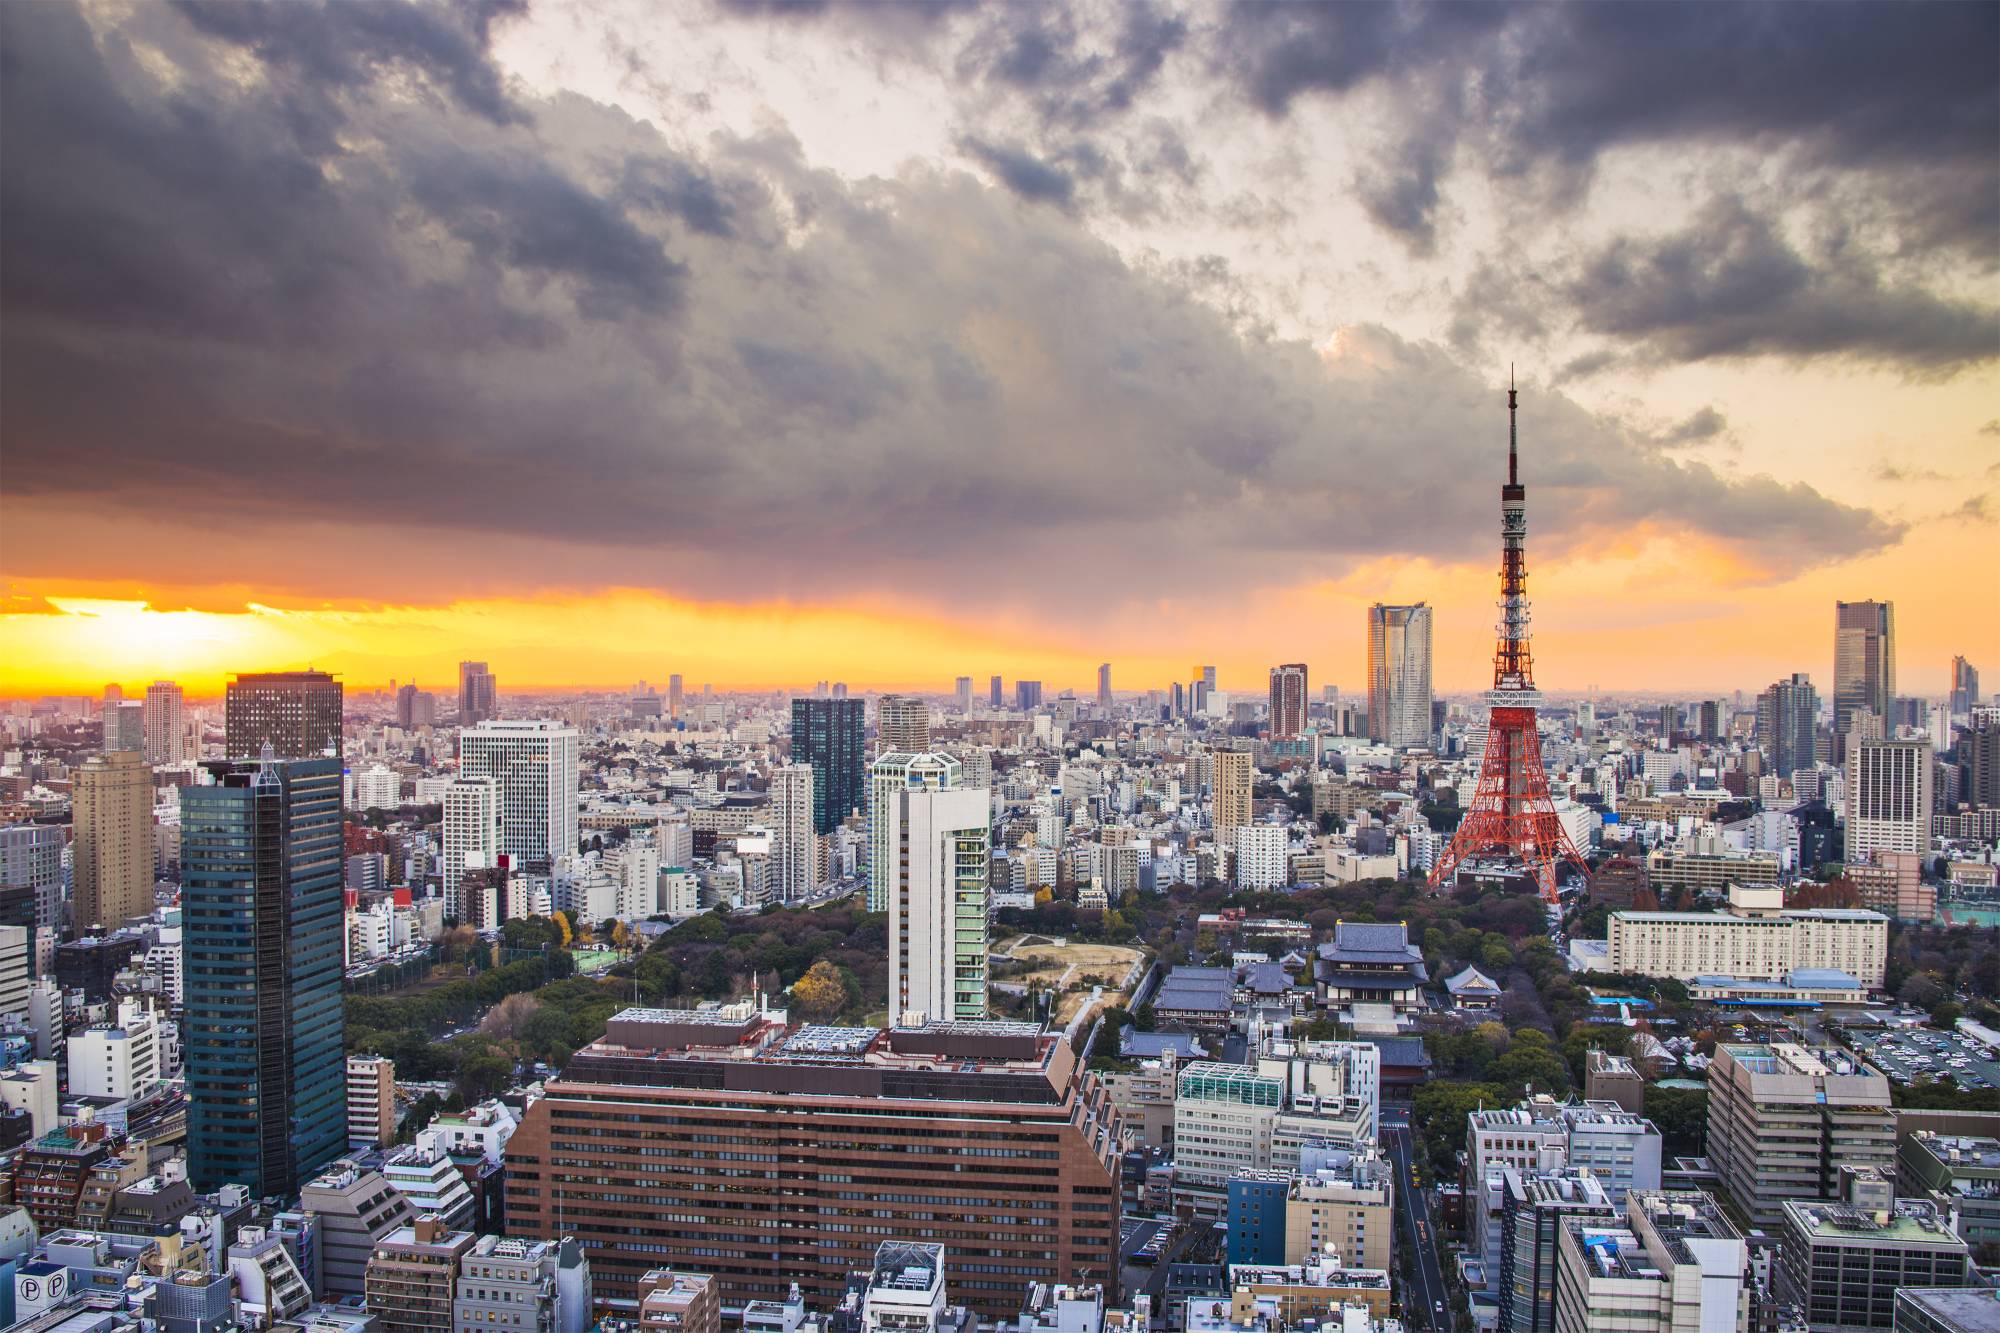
<point x="723" y="1141"/>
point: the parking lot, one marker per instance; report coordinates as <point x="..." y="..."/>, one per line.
<point x="1913" y="1054"/>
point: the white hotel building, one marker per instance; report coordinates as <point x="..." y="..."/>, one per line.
<point x="1755" y="939"/>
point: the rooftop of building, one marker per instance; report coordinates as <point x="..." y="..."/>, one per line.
<point x="907" y="1266"/>
<point x="1910" y="1222"/>
<point x="1956" y="1307"/>
<point x="664" y="1047"/>
<point x="1789" y="1059"/>
<point x="1367" y="943"/>
<point x="1959" y="1150"/>
<point x="1547" y="1111"/>
<point x="1210" y="989"/>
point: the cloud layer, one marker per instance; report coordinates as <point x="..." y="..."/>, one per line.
<point x="297" y="268"/>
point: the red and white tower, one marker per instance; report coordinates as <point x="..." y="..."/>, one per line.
<point x="1512" y="818"/>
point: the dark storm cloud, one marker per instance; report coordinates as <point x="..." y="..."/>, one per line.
<point x="731" y="375"/>
<point x="1902" y="92"/>
<point x="1701" y="427"/>
<point x="1730" y="285"/>
<point x="1022" y="172"/>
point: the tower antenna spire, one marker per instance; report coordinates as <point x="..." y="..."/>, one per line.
<point x="1513" y="407"/>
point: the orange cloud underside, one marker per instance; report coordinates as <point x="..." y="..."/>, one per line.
<point x="1647" y="611"/>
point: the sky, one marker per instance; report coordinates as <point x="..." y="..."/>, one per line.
<point x="771" y="343"/>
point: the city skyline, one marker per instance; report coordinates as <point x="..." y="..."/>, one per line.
<point x="1217" y="289"/>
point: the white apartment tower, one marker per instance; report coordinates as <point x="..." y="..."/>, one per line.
<point x="533" y="766"/>
<point x="471" y="834"/>
<point x="930" y="855"/>
<point x="1888" y="797"/>
<point x="793" y="849"/>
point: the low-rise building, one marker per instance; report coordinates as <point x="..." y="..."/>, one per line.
<point x="355" y="1209"/>
<point x="535" y="1286"/>
<point x="1842" y="1262"/>
<point x="412" y="1277"/>
<point x="1958" y="1173"/>
<point x="671" y="1302"/>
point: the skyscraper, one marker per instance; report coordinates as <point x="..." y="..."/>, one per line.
<point x="1788" y="723"/>
<point x="112" y="808"/>
<point x="675" y="696"/>
<point x="1206" y="674"/>
<point x="1399" y="675"/>
<point x="929" y="863"/>
<point x="165" y="724"/>
<point x="533" y="765"/>
<point x="903" y="723"/>
<point x="794" y="843"/>
<point x="261" y="907"/>
<point x="832" y="736"/>
<point x="478" y="694"/>
<point x="1888" y="797"/>
<point x="124" y="725"/>
<point x="1230" y="797"/>
<point x="963" y="687"/>
<point x="1964" y="687"/>
<point x="31" y="855"/>
<point x="1104" y="685"/>
<point x="296" y="713"/>
<point x="993" y="693"/>
<point x="1288" y="701"/>
<point x="1979" y="762"/>
<point x="1027" y="695"/>
<point x="415" y="708"/>
<point x="1864" y="664"/>
<point x="471" y="835"/>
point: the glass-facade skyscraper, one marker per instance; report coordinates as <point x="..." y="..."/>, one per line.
<point x="1399" y="675"/>
<point x="261" y="907"/>
<point x="1864" y="665"/>
<point x="296" y="713"/>
<point x="832" y="736"/>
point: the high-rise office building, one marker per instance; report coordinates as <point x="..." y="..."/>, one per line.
<point x="16" y="966"/>
<point x="994" y="694"/>
<point x="1888" y="797"/>
<point x="1788" y="723"/>
<point x="794" y="842"/>
<point x="676" y="696"/>
<point x="903" y="723"/>
<point x="839" y="1111"/>
<point x="1027" y="695"/>
<point x="832" y="736"/>
<point x="1230" y="794"/>
<point x="31" y="857"/>
<point x="112" y="809"/>
<point x="165" y="724"/>
<point x="1104" y="685"/>
<point x="1674" y="1263"/>
<point x="1864" y="665"/>
<point x="1288" y="701"/>
<point x="1399" y="675"/>
<point x="296" y="713"/>
<point x="478" y="694"/>
<point x="1964" y="687"/>
<point x="261" y="905"/>
<point x="1206" y="675"/>
<point x="1979" y="762"/>
<point x="471" y="835"/>
<point x="963" y="688"/>
<point x="415" y="708"/>
<point x="124" y="725"/>
<point x="930" y="860"/>
<point x="533" y="765"/>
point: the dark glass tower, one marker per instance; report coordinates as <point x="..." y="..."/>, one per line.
<point x="261" y="906"/>
<point x="831" y="735"/>
<point x="296" y="713"/>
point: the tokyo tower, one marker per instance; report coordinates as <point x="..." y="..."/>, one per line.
<point x="1512" y="819"/>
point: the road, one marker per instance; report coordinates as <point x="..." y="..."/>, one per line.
<point x="1424" y="1306"/>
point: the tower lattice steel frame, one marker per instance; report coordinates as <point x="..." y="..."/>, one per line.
<point x="1511" y="813"/>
